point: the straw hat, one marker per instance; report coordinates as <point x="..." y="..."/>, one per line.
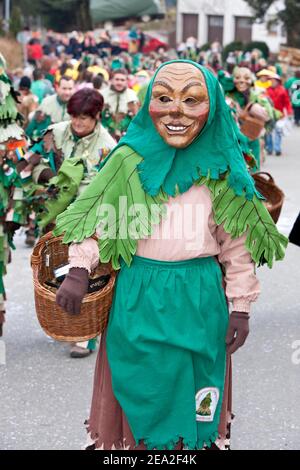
<point x="268" y="73"/>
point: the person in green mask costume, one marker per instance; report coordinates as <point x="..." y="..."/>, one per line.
<point x="242" y="95"/>
<point x="178" y="214"/>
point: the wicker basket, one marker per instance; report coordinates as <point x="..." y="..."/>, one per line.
<point x="251" y="126"/>
<point x="48" y="253"/>
<point x="265" y="184"/>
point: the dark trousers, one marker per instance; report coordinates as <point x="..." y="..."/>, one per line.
<point x="297" y="114"/>
<point x="295" y="233"/>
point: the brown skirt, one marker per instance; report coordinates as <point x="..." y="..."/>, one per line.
<point x="107" y="426"/>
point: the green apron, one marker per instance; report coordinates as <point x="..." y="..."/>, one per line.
<point x="166" y="350"/>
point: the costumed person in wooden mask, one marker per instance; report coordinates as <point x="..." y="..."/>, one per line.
<point x="162" y="377"/>
<point x="242" y="97"/>
<point x="13" y="211"/>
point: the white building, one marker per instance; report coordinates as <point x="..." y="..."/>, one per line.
<point x="226" y="21"/>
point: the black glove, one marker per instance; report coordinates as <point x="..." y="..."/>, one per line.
<point x="237" y="332"/>
<point x="70" y="294"/>
<point x="11" y="227"/>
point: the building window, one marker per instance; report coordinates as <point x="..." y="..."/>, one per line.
<point x="283" y="31"/>
<point x="215" y="29"/>
<point x="243" y="28"/>
<point x="272" y="26"/>
<point x="189" y="26"/>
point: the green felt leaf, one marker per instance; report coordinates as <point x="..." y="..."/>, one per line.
<point x="116" y="185"/>
<point x="8" y="109"/>
<point x="67" y="181"/>
<point x="4" y="89"/>
<point x="239" y="215"/>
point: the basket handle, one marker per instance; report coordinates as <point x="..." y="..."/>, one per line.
<point x="36" y="253"/>
<point x="248" y="107"/>
<point x="270" y="177"/>
<point x="37" y="250"/>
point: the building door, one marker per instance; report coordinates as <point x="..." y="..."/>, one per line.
<point x="243" y="28"/>
<point x="215" y="29"/>
<point x="189" y="26"/>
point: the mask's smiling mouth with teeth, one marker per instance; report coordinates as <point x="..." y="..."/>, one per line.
<point x="176" y="129"/>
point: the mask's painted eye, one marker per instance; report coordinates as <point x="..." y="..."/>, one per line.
<point x="190" y="101"/>
<point x="164" y="99"/>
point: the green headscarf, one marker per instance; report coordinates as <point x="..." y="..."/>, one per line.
<point x="214" y="151"/>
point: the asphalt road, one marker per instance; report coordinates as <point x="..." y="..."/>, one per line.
<point x="45" y="395"/>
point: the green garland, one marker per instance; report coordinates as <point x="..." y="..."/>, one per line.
<point x="115" y="128"/>
<point x="65" y="184"/>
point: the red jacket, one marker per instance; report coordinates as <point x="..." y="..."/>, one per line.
<point x="280" y="98"/>
<point x="34" y="51"/>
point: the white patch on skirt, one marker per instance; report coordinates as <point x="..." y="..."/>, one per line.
<point x="206" y="403"/>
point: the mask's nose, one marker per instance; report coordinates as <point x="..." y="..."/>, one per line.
<point x="175" y="108"/>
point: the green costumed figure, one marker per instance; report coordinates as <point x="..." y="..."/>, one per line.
<point x="177" y="213"/>
<point x="37" y="126"/>
<point x="12" y="146"/>
<point x="68" y="156"/>
<point x="53" y="109"/>
<point x="241" y="96"/>
<point x="64" y="162"/>
<point x="120" y="104"/>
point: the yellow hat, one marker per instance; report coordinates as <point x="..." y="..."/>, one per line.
<point x="96" y="69"/>
<point x="268" y="73"/>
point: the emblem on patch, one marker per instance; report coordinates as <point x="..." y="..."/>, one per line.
<point x="206" y="403"/>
